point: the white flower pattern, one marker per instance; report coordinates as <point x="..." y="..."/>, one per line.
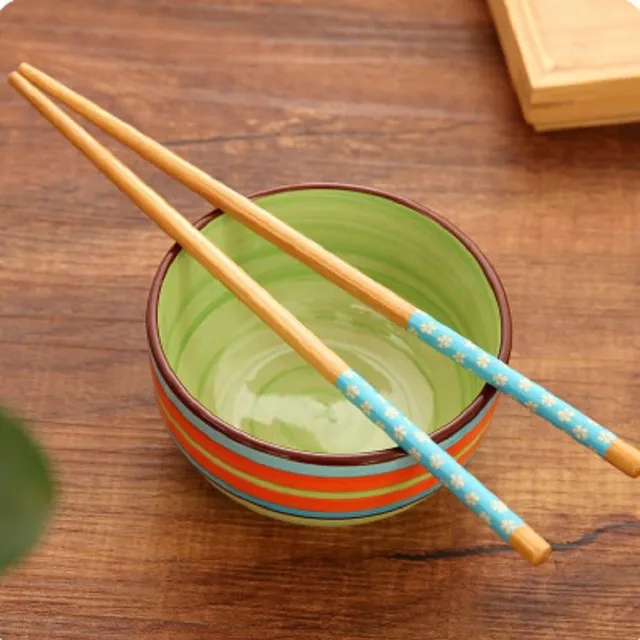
<point x="500" y="379"/>
<point x="445" y="341"/>
<point x="581" y="433"/>
<point x="436" y="460"/>
<point x="508" y="526"/>
<point x="415" y="454"/>
<point x="391" y="413"/>
<point x="548" y="400"/>
<point x="565" y="415"/>
<point x="486" y="517"/>
<point x="457" y="481"/>
<point x="607" y="437"/>
<point x="428" y="328"/>
<point x="366" y="408"/>
<point x="472" y="498"/>
<point x="530" y="404"/>
<point x="352" y="391"/>
<point x="524" y="384"/>
<point x="482" y="361"/>
<point x="459" y="357"/>
<point x="422" y="436"/>
<point x="498" y="507"/>
<point x="400" y="432"/>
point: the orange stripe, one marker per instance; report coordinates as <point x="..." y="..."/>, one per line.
<point x="306" y="482"/>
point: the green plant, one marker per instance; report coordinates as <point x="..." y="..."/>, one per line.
<point x="26" y="490"/>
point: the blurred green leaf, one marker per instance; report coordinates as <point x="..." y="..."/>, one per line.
<point x="26" y="490"/>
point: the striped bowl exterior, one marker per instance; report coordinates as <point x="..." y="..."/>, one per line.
<point x="303" y="493"/>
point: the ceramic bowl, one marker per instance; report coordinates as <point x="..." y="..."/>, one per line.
<point x="264" y="427"/>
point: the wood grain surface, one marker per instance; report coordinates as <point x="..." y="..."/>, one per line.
<point x="407" y="95"/>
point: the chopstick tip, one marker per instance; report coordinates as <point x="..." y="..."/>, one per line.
<point x="532" y="546"/>
<point x="13" y="78"/>
<point x="25" y="69"/>
<point x="624" y="457"/>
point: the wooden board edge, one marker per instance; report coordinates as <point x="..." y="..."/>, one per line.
<point x="561" y="85"/>
<point x="512" y="54"/>
<point x="563" y="125"/>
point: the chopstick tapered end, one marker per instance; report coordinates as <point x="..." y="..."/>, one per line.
<point x="624" y="456"/>
<point x="27" y="70"/>
<point x="533" y="547"/>
<point x="14" y="78"/>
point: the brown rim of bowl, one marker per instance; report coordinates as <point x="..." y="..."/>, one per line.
<point x="373" y="457"/>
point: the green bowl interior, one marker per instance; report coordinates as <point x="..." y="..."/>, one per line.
<point x="237" y="368"/>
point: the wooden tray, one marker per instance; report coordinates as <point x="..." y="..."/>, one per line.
<point x="573" y="62"/>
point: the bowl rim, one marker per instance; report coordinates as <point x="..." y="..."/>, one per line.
<point x="471" y="411"/>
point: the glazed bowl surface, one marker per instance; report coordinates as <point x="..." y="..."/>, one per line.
<point x="268" y="430"/>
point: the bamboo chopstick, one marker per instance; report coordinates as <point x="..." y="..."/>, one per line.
<point x="465" y="486"/>
<point x="486" y="366"/>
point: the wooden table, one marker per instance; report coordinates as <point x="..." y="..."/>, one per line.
<point x="406" y="95"/>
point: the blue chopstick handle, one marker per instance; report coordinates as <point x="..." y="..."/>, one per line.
<point x="426" y="452"/>
<point x="500" y="375"/>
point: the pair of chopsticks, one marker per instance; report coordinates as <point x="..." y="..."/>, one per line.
<point x="486" y="366"/>
<point x="509" y="526"/>
<point x="472" y="493"/>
